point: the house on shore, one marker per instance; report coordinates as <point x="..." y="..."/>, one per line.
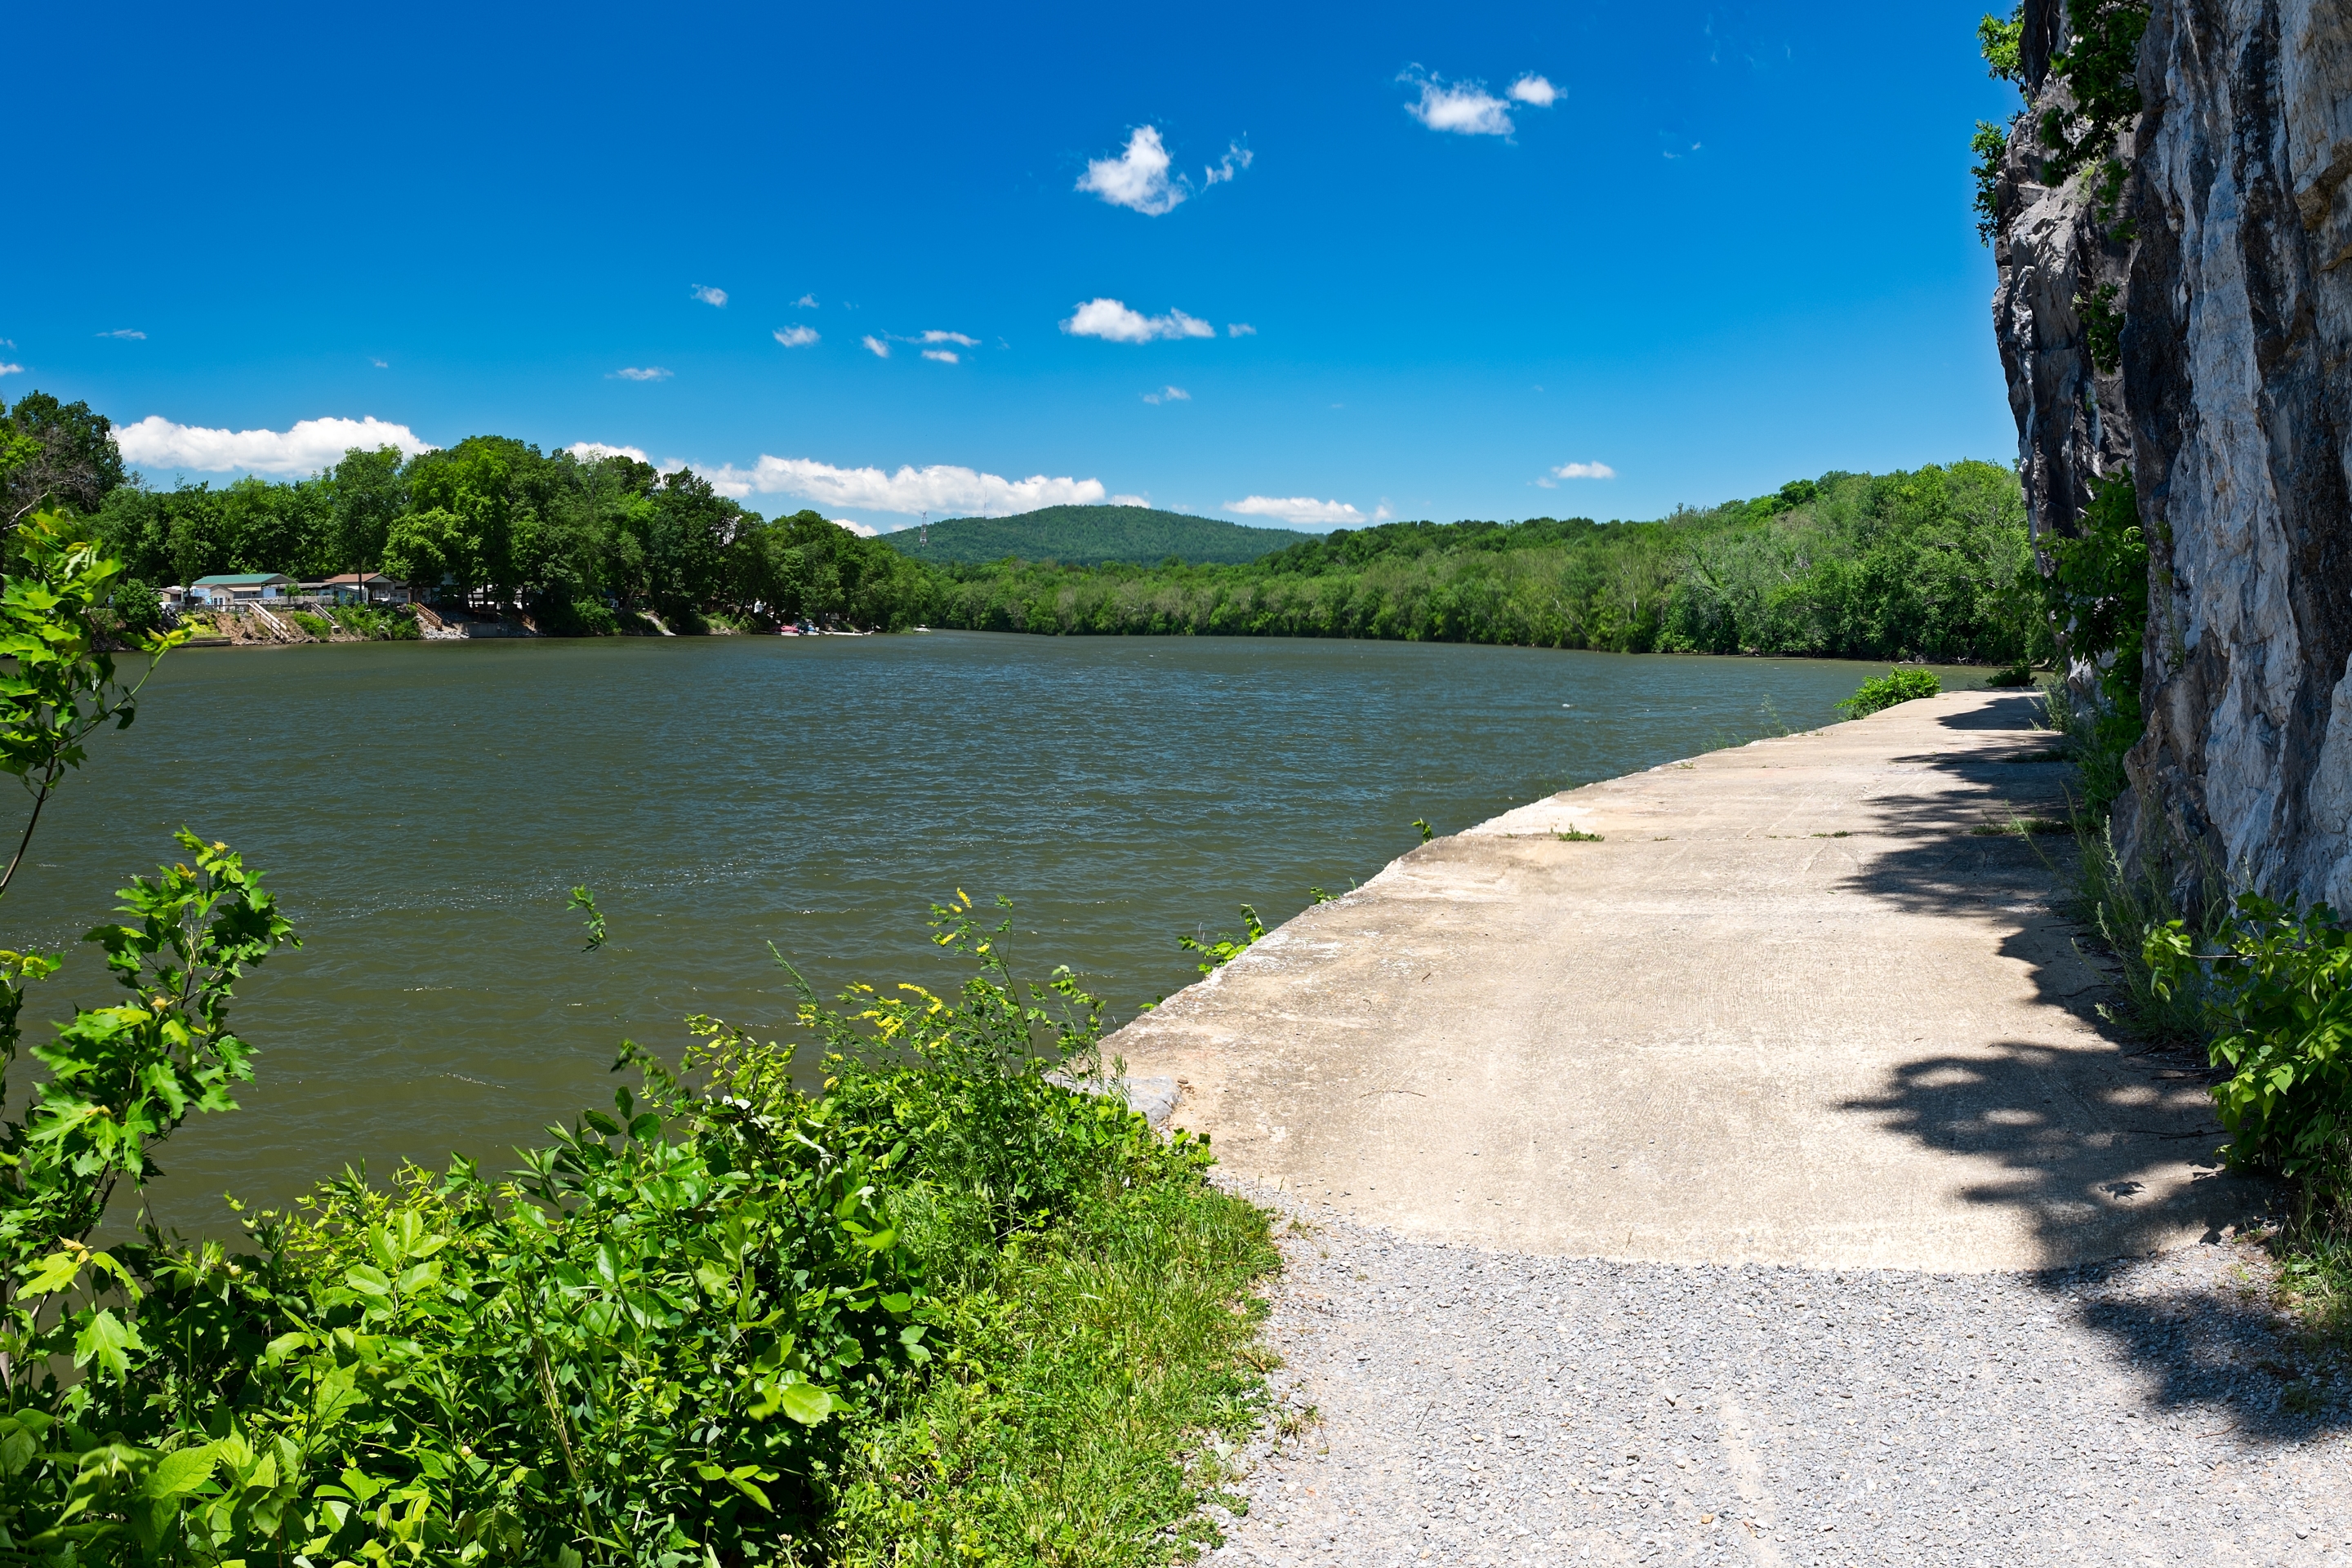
<point x="372" y="588"/>
<point x="173" y="597"/>
<point x="233" y="590"/>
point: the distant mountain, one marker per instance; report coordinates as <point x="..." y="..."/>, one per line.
<point x="1082" y="535"/>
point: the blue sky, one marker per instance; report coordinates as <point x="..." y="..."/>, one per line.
<point x="1733" y="248"/>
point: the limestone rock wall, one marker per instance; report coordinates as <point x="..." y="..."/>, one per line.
<point x="2237" y="373"/>
<point x="2053" y="251"/>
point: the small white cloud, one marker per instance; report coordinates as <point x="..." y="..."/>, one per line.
<point x="945" y="356"/>
<point x="942" y="488"/>
<point x="125" y="333"/>
<point x="1466" y="108"/>
<point x="1167" y="394"/>
<point x="381" y="364"/>
<point x="1131" y="501"/>
<point x="1137" y="178"/>
<point x="862" y="530"/>
<point x="11" y="369"/>
<point x="590" y="451"/>
<point x="1112" y="321"/>
<point x="1533" y="88"/>
<point x="1299" y="510"/>
<point x="640" y="373"/>
<point x="875" y="346"/>
<point x="796" y="337"/>
<point x="710" y="296"/>
<point x="939" y="337"/>
<point x="1240" y="329"/>
<point x="1584" y="471"/>
<point x="805" y="303"/>
<point x="311" y="444"/>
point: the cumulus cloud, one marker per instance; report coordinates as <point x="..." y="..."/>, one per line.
<point x="1138" y="178"/>
<point x="1299" y="510"/>
<point x="591" y="451"/>
<point x="125" y="333"/>
<point x="1533" y="88"/>
<point x="710" y="296"/>
<point x="640" y="373"/>
<point x="11" y="369"/>
<point x="1584" y="471"/>
<point x="1240" y="329"/>
<point x="1112" y="321"/>
<point x="862" y="530"/>
<point x="938" y="337"/>
<point x="313" y="444"/>
<point x="1466" y="108"/>
<point x="875" y="346"/>
<point x="940" y="488"/>
<point x="805" y="303"/>
<point x="1131" y="501"/>
<point x="796" y="337"/>
<point x="945" y="356"/>
<point x="1167" y="394"/>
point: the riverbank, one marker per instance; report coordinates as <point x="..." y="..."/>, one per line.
<point x="1752" y="1180"/>
<point x="1803" y="1002"/>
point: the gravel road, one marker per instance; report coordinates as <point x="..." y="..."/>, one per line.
<point x="1480" y="1407"/>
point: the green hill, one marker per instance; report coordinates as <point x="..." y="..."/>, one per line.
<point x="1082" y="535"/>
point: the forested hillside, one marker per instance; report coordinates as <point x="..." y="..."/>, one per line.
<point x="1925" y="564"/>
<point x="1084" y="535"/>
<point x="1931" y="564"/>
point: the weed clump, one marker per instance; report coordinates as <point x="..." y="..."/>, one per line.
<point x="1885" y="692"/>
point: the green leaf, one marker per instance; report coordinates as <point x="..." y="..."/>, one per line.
<point x="181" y="1472"/>
<point x="55" y="1272"/>
<point x="804" y="1402"/>
<point x="368" y="1280"/>
<point x="108" y="1341"/>
<point x="646" y="1128"/>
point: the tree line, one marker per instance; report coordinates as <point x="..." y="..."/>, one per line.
<point x="1933" y="563"/>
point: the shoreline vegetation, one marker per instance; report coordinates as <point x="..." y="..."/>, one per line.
<point x="956" y="1301"/>
<point x="1932" y="565"/>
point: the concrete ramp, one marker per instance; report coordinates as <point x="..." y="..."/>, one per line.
<point x="1793" y="1007"/>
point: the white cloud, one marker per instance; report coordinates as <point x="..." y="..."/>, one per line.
<point x="879" y="349"/>
<point x="805" y="303"/>
<point x="1131" y="501"/>
<point x="1240" y="329"/>
<point x="640" y="373"/>
<point x="313" y="444"/>
<point x="862" y="530"/>
<point x="380" y="365"/>
<point x="710" y="296"/>
<point x="942" y="488"/>
<point x="11" y="369"/>
<point x="945" y="356"/>
<point x="1167" y="394"/>
<point x="1138" y="178"/>
<point x="1533" y="88"/>
<point x="1466" y="108"/>
<point x="1112" y="321"/>
<point x="938" y="337"/>
<point x="796" y="337"/>
<point x="1299" y="510"/>
<point x="1584" y="471"/>
<point x="125" y="333"/>
<point x="589" y="451"/>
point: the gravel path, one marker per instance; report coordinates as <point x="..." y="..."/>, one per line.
<point x="1470" y="1406"/>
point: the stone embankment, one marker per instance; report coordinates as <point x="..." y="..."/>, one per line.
<point x="1746" y="1184"/>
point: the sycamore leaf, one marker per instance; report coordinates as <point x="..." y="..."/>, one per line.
<point x="54" y="1273"/>
<point x="108" y="1340"/>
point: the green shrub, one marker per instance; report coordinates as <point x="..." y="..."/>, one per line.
<point x="1885" y="691"/>
<point x="2280" y="998"/>
<point x="395" y="623"/>
<point x="317" y="625"/>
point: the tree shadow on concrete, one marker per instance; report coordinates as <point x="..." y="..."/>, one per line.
<point x="2106" y="1142"/>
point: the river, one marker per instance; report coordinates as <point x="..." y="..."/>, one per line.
<point x="422" y="809"/>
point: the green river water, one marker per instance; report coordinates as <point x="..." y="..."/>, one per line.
<point x="421" y="810"/>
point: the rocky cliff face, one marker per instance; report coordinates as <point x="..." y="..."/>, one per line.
<point x="2236" y="389"/>
<point x="2054" y="252"/>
